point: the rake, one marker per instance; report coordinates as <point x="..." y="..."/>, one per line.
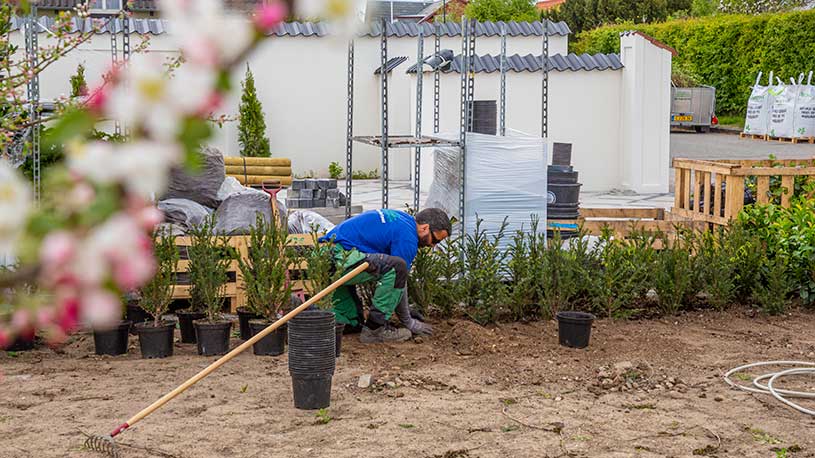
<point x="106" y="444"/>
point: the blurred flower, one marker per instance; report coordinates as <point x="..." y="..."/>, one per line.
<point x="198" y="29"/>
<point x="15" y="203"/>
<point x="344" y="16"/>
<point x="101" y="309"/>
<point x="269" y="15"/>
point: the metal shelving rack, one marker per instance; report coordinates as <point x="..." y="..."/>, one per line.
<point x="33" y="85"/>
<point x="385" y="141"/>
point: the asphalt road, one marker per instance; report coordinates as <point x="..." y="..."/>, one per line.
<point x="728" y="146"/>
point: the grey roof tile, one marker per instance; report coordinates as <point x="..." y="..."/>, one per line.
<point x="391" y="64"/>
<point x="530" y="63"/>
<point x="377" y="10"/>
<point x="320" y="29"/>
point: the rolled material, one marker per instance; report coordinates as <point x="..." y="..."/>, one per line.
<point x="260" y="179"/>
<point x="258" y="170"/>
<point x="264" y="161"/>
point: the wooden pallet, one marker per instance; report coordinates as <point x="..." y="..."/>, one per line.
<point x="698" y="186"/>
<point x="233" y="290"/>
<point x="783" y="139"/>
<point x="752" y="136"/>
<point x="623" y="222"/>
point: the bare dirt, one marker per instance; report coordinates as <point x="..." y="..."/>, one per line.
<point x="642" y="389"/>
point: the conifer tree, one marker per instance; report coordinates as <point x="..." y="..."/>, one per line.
<point x="252" y="128"/>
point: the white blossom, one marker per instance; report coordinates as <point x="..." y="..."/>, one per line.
<point x="16" y="200"/>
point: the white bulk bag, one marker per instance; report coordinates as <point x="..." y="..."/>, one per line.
<point x="804" y="115"/>
<point x="758" y="108"/>
<point x="781" y="114"/>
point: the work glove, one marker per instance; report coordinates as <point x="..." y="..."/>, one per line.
<point x="404" y="313"/>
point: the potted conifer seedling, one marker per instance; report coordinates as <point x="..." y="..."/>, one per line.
<point x="266" y="281"/>
<point x="210" y="257"/>
<point x="156" y="336"/>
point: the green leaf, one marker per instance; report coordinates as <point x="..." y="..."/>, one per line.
<point x="194" y="132"/>
<point x="72" y="124"/>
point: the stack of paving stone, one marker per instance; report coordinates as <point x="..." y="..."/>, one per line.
<point x="314" y="192"/>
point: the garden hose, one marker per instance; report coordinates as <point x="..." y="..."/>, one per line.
<point x="772" y="377"/>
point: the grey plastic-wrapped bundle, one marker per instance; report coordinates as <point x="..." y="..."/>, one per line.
<point x="237" y="214"/>
<point x="758" y="108"/>
<point x="304" y="221"/>
<point x="183" y="213"/>
<point x="781" y="115"/>
<point x="505" y="178"/>
<point x="804" y="117"/>
<point x="202" y="185"/>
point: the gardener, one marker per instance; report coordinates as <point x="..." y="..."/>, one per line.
<point x="388" y="241"/>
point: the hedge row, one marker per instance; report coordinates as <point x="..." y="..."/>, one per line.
<point x="725" y="51"/>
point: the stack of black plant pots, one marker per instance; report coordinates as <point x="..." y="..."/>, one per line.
<point x="563" y="190"/>
<point x="312" y="340"/>
<point x="484" y="116"/>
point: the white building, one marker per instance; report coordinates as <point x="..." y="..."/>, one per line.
<point x="616" y="116"/>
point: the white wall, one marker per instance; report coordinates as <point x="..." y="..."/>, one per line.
<point x="646" y="105"/>
<point x="301" y="82"/>
<point x="584" y="110"/>
<point x="617" y="121"/>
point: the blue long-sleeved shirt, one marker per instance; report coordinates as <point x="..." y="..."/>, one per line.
<point x="385" y="231"/>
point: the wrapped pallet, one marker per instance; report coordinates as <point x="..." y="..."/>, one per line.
<point x="505" y="177"/>
<point x="804" y="115"/>
<point x="758" y="108"/>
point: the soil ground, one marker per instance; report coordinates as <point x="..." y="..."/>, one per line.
<point x="642" y="389"/>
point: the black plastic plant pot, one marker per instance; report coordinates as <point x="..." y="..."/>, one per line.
<point x="212" y="338"/>
<point x="185" y="319"/>
<point x="21" y="343"/>
<point x="271" y="345"/>
<point x="244" y="315"/>
<point x="135" y="314"/>
<point x="112" y="341"/>
<point x="311" y="393"/>
<point x="312" y="344"/>
<point x="338" y="331"/>
<point x="155" y="341"/>
<point x="574" y="329"/>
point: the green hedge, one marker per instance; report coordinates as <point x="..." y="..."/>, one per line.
<point x="725" y="51"/>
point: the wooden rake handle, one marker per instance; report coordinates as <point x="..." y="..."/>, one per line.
<point x="238" y="350"/>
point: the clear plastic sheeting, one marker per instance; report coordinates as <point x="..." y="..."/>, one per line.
<point x="505" y="178"/>
<point x="804" y="116"/>
<point x="304" y="221"/>
<point x="758" y="108"/>
<point x="444" y="189"/>
<point x="183" y="213"/>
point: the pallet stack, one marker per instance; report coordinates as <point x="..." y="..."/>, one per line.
<point x="251" y="171"/>
<point x="313" y="193"/>
<point x="769" y="138"/>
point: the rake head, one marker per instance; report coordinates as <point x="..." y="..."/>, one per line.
<point x="102" y="444"/>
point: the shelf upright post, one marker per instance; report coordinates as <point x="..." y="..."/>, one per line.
<point x="418" y="150"/>
<point x="349" y="133"/>
<point x="384" y="86"/>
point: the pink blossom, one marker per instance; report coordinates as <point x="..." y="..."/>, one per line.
<point x="69" y="314"/>
<point x="135" y="271"/>
<point x="81" y="195"/>
<point x="211" y="103"/>
<point x="57" y="249"/>
<point x="21" y="320"/>
<point x="150" y="217"/>
<point x="4" y="339"/>
<point x="269" y="15"/>
<point x="100" y="308"/>
<point x="97" y="99"/>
